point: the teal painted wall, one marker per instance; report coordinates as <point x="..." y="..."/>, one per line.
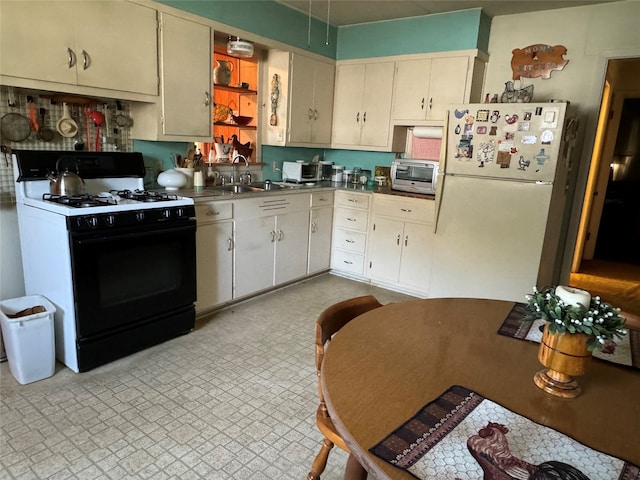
<point x="462" y="30"/>
<point x="265" y="18"/>
<point x="468" y="29"/>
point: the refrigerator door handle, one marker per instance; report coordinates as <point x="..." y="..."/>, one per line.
<point x="440" y="174"/>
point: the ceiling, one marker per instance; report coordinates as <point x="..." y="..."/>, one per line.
<point x="351" y="12"/>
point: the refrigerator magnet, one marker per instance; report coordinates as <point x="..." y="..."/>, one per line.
<point x="541" y="157"/>
<point x="524" y="126"/>
<point x="460" y="113"/>
<point x="493" y="131"/>
<point x="482" y="115"/>
<point x="511" y="119"/>
<point x="529" y="139"/>
<point x="546" y="137"/>
<point x="527" y="116"/>
<point x="481" y="130"/>
<point x="495" y="115"/>
<point x="522" y="163"/>
<point x="504" y="159"/>
<point x="486" y="152"/>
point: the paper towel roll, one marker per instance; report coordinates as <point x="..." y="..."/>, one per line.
<point x="427" y="132"/>
<point x="573" y="296"/>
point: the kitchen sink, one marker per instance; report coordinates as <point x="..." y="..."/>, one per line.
<point x="269" y="186"/>
<point x="240" y="188"/>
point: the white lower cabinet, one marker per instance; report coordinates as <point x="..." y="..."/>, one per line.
<point x="350" y="224"/>
<point x="214" y="254"/>
<point x="320" y="224"/>
<point x="401" y="240"/>
<point x="271" y="241"/>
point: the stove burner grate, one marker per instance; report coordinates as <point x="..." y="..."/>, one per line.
<point x="79" y="201"/>
<point x="144" y="195"/>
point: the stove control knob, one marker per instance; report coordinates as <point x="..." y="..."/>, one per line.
<point x="110" y="219"/>
<point x="92" y="221"/>
<point x="140" y="216"/>
<point x="166" y="213"/>
<point x="179" y="212"/>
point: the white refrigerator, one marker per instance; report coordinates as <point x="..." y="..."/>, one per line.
<point x="501" y="201"/>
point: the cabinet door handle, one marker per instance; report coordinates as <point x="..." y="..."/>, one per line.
<point x="430" y="103"/>
<point x="71" y="58"/>
<point x="422" y="104"/>
<point x="364" y="117"/>
<point x="85" y="60"/>
<point x="207" y="99"/>
<point x="280" y="235"/>
<point x="273" y="236"/>
<point x="229" y="244"/>
<point x="398" y="240"/>
<point x="314" y="227"/>
<point x="407" y="210"/>
<point x="310" y="114"/>
<point x="406" y="240"/>
<point x="358" y="117"/>
<point x="315" y="114"/>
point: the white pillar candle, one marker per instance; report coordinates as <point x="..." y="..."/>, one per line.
<point x="573" y="296"/>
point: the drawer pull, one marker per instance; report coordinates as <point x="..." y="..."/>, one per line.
<point x="354" y="200"/>
<point x="350" y="241"/>
<point x="407" y="210"/>
<point x="351" y="219"/>
<point x="348" y="262"/>
<point x="213" y="213"/>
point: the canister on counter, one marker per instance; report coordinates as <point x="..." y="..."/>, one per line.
<point x="336" y="173"/>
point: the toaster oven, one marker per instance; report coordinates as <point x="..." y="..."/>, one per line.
<point x="415" y="176"/>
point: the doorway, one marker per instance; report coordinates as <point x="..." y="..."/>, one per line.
<point x="607" y="257"/>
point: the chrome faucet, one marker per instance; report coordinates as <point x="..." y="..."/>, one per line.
<point x="233" y="170"/>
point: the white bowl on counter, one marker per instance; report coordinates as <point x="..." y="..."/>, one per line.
<point x="172" y="179"/>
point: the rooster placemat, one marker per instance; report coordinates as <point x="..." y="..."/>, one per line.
<point x="625" y="351"/>
<point x="464" y="436"/>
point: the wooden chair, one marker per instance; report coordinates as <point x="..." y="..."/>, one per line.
<point x="329" y="322"/>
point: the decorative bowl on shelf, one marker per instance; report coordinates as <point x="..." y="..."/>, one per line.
<point x="241" y="120"/>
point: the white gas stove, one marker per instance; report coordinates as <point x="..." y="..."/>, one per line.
<point x="118" y="262"/>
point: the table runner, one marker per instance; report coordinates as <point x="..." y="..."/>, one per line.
<point x="627" y="349"/>
<point x="462" y="435"/>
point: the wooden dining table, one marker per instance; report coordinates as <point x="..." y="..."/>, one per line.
<point x="385" y="365"/>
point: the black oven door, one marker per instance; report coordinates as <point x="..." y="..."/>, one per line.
<point x="127" y="277"/>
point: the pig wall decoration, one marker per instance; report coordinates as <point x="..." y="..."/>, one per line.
<point x="537" y="60"/>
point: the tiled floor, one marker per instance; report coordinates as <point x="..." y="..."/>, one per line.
<point x="235" y="399"/>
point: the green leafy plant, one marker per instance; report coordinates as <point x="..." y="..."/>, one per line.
<point x="599" y="320"/>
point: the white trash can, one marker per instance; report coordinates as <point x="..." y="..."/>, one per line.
<point x="29" y="340"/>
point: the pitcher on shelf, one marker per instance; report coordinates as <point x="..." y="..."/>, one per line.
<point x="222" y="72"/>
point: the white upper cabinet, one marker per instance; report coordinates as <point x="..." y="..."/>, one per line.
<point x="310" y="101"/>
<point x="362" y="105"/>
<point x="425" y="87"/>
<point x="184" y="109"/>
<point x="298" y="105"/>
<point x="104" y="45"/>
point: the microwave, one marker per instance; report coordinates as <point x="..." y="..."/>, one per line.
<point x="300" y="172"/>
<point x="415" y="176"/>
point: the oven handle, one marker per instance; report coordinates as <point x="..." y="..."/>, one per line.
<point x="99" y="237"/>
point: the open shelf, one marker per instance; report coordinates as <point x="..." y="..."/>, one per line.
<point x="240" y="90"/>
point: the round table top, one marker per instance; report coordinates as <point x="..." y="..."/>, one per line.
<point x="383" y="366"/>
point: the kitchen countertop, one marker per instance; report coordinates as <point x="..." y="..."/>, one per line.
<point x="213" y="193"/>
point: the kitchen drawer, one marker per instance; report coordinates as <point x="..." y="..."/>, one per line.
<point x="404" y="208"/>
<point x="321" y="199"/>
<point x="270" y="205"/>
<point x="351" y="218"/>
<point x="347" y="262"/>
<point x="208" y="212"/>
<point x="352" y="200"/>
<point x="349" y="240"/>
